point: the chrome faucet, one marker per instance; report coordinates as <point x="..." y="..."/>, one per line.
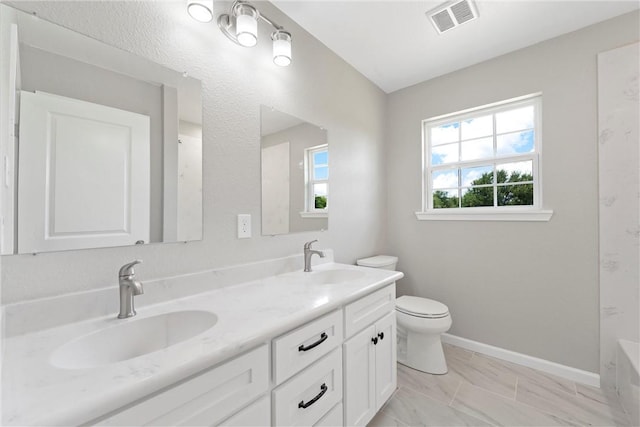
<point x="128" y="288"/>
<point x="307" y="255"/>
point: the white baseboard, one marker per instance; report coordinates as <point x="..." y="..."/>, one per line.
<point x="567" y="372"/>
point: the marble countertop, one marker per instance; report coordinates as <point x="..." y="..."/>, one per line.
<point x="37" y="393"/>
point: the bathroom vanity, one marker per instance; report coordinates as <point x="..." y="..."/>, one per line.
<point x="288" y="349"/>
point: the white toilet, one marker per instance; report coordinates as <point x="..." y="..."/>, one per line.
<point x="421" y="321"/>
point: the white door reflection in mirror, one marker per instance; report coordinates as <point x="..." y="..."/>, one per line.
<point x="295" y="174"/>
<point x="275" y="189"/>
<point x="87" y="180"/>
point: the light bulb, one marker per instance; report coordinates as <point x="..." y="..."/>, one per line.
<point x="281" y="48"/>
<point x="247" y="25"/>
<point x="200" y="10"/>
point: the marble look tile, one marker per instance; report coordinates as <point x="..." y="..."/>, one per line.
<point x="383" y="420"/>
<point x="570" y="407"/>
<point x="438" y="387"/>
<point x="542" y="379"/>
<point x="455" y="352"/>
<point x="598" y="395"/>
<point x="484" y="373"/>
<point x="416" y="409"/>
<point x="500" y="411"/>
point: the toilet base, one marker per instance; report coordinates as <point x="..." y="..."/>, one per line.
<point x="425" y="353"/>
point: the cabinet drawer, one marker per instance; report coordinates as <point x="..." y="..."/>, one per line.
<point x="301" y="347"/>
<point x="205" y="399"/>
<point x="367" y="310"/>
<point x="307" y="397"/>
<point x="256" y="414"/>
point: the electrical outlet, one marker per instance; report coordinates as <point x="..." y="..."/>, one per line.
<point x="244" y="226"/>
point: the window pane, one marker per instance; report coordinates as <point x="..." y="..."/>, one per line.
<point x="445" y="133"/>
<point x="443" y="154"/>
<point x="445" y="178"/>
<point x="320" y="195"/>
<point x="515" y="195"/>
<point x="515" y="172"/>
<point x="513" y="143"/>
<point x="477" y="127"/>
<point x="479" y="175"/>
<point x="512" y="120"/>
<point x="321" y="158"/>
<point x="321" y="172"/>
<point x="477" y="149"/>
<point x="477" y="196"/>
<point x="444" y="199"/>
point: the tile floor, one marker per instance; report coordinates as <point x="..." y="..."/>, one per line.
<point x="482" y="391"/>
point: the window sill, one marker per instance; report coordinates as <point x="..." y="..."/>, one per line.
<point x="498" y="215"/>
<point x="324" y="214"/>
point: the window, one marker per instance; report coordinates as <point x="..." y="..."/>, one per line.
<point x="484" y="163"/>
<point x="317" y="180"/>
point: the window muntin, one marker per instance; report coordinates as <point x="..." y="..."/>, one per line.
<point x="484" y="159"/>
<point x="317" y="178"/>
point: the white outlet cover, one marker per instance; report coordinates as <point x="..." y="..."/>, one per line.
<point x="244" y="226"/>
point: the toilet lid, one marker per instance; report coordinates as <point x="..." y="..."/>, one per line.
<point x="421" y="306"/>
<point x="377" y="261"/>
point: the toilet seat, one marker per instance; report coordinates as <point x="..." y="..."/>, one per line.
<point x="421" y="307"/>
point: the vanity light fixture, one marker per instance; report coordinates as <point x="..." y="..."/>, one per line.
<point x="200" y="10"/>
<point x="240" y="25"/>
<point x="281" y="47"/>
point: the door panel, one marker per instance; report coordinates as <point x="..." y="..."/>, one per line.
<point x="359" y="378"/>
<point x="83" y="175"/>
<point x="386" y="368"/>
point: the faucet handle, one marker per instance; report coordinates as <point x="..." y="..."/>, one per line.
<point x="308" y="244"/>
<point x="127" y="269"/>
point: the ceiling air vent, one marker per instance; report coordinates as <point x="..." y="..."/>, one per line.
<point x="452" y="14"/>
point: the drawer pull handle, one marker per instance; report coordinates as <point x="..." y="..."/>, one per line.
<point x="323" y="338"/>
<point x="374" y="340"/>
<point x="381" y="336"/>
<point x="323" y="390"/>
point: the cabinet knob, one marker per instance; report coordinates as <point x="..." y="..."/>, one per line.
<point x="374" y="340"/>
<point x="381" y="336"/>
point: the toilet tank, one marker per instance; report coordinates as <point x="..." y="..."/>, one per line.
<point x="385" y="262"/>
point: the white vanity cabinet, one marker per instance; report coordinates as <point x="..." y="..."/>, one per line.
<point x="313" y="377"/>
<point x="370" y="374"/>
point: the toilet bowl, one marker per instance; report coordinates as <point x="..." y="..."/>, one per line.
<point x="421" y="322"/>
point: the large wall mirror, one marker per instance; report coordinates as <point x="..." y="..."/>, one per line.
<point x="98" y="147"/>
<point x="295" y="174"/>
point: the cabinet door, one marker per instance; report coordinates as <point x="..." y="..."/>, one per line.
<point x="359" y="378"/>
<point x="386" y="369"/>
<point x="256" y="414"/>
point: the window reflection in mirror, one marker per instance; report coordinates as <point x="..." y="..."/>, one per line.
<point x="295" y="174"/>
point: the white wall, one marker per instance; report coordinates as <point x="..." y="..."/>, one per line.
<point x="619" y="186"/>
<point x="527" y="287"/>
<point x="236" y="81"/>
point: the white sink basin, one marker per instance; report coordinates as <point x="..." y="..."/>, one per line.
<point x="132" y="338"/>
<point x="324" y="277"/>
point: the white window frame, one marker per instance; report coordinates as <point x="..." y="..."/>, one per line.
<point x="533" y="212"/>
<point x="310" y="210"/>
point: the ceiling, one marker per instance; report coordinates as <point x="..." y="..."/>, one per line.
<point x="394" y="44"/>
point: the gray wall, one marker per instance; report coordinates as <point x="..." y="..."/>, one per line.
<point x="236" y="81"/>
<point x="527" y="287"/>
